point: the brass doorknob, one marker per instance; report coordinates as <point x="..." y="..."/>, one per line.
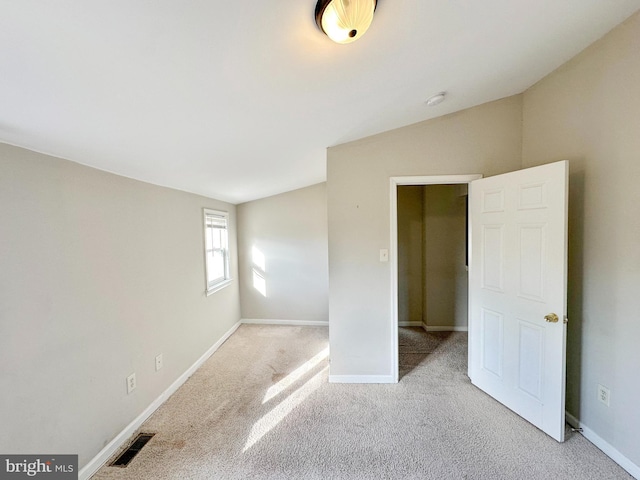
<point x="551" y="318"/>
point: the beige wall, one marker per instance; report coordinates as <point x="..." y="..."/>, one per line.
<point x="445" y="273"/>
<point x="588" y="111"/>
<point x="290" y="232"/>
<point x="98" y="275"/>
<point x="484" y="139"/>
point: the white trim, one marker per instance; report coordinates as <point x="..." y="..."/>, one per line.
<point x="393" y="262"/>
<point x="219" y="286"/>
<point x="443" y="328"/>
<point x="114" y="445"/>
<point x="267" y="321"/>
<point x="362" y="379"/>
<point x="410" y="324"/>
<point x="394" y="182"/>
<point x="609" y="450"/>
<point x="435" y="179"/>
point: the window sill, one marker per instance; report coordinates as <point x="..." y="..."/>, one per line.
<point x="219" y="286"/>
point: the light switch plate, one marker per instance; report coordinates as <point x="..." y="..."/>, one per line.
<point x="159" y="362"/>
<point x="384" y="255"/>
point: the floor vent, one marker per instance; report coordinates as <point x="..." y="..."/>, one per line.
<point x="128" y="455"/>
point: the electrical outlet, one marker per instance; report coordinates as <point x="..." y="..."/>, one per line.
<point x="158" y="362"/>
<point x="131" y="383"/>
<point x="604" y="394"/>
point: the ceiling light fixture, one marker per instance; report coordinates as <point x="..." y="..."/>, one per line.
<point x="344" y="21"/>
<point x="436" y="99"/>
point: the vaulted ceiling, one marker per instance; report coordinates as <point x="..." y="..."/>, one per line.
<point x="239" y="100"/>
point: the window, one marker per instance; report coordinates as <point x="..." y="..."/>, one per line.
<point x="216" y="247"/>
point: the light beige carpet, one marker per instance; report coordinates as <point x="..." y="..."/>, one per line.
<point x="261" y="408"/>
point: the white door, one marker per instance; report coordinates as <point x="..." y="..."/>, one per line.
<point x="517" y="291"/>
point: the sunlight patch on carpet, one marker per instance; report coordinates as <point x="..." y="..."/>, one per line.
<point x="284" y="408"/>
<point x="294" y="376"/>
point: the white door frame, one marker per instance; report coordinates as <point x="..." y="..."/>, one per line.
<point x="395" y="182"/>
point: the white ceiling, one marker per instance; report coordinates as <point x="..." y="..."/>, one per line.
<point x="238" y="100"/>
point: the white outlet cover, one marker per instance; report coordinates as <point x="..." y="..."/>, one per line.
<point x="131" y="383"/>
<point x="604" y="395"/>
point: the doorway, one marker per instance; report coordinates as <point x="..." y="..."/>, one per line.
<point x="432" y="257"/>
<point x="414" y="307"/>
<point x="432" y="273"/>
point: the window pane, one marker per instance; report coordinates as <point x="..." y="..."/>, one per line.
<point x="216" y="248"/>
<point x="217" y="237"/>
<point x="216" y="266"/>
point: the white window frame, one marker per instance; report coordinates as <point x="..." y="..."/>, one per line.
<point x="219" y="283"/>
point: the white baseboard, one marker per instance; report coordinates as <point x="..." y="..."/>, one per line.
<point x="410" y="324"/>
<point x="607" y="448"/>
<point x="443" y="328"/>
<point x="112" y="447"/>
<point x="267" y="321"/>
<point x="362" y="379"/>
